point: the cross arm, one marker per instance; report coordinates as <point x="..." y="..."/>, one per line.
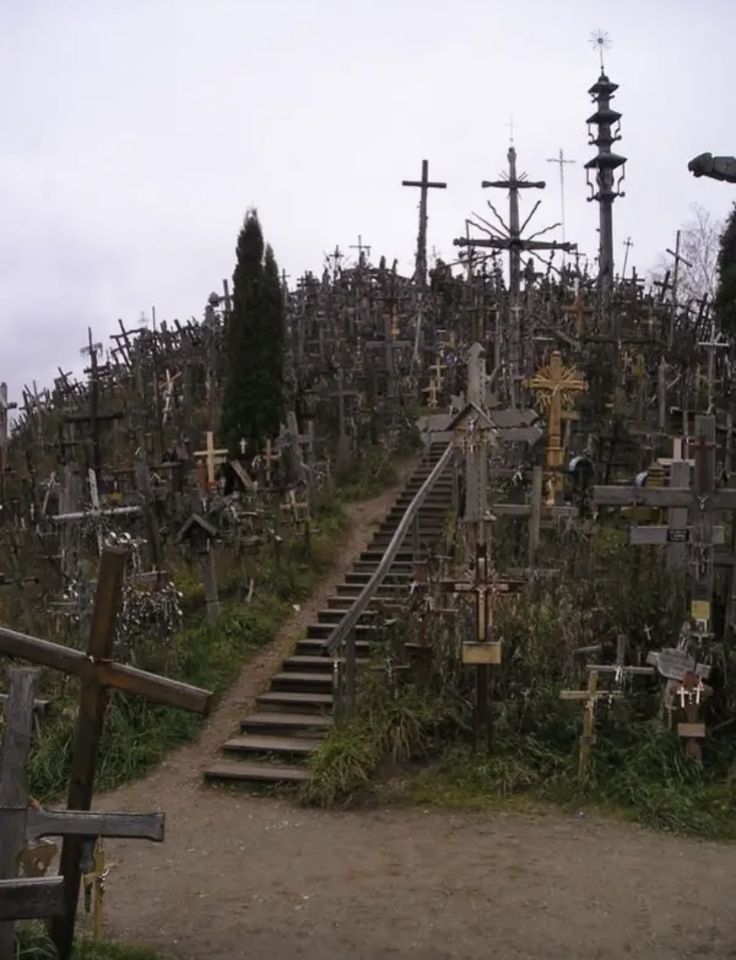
<point x="117" y="675"/>
<point x="620" y="496"/>
<point x="429" y="183"/>
<point x="80" y="823"/>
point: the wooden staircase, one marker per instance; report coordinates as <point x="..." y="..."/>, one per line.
<point x="294" y="715"/>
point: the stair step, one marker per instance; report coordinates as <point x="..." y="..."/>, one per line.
<point x="249" y="743"/>
<point x="315" y="645"/>
<point x="291" y="678"/>
<point x="281" y="698"/>
<point x="285" y="721"/>
<point x="268" y="772"/>
<point x="303" y="663"/>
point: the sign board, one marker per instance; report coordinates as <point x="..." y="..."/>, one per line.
<point x="678" y="535"/>
<point x="485" y="652"/>
<point x="674" y="664"/>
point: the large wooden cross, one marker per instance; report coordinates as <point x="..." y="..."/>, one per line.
<point x="98" y="673"/>
<point x="556" y="383"/>
<point x="425" y="185"/>
<point x="702" y="501"/>
<point x="484" y="650"/>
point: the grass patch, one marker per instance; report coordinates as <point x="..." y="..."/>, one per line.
<point x="32" y="942"/>
<point x="138" y="733"/>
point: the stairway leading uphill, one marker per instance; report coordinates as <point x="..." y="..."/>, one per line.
<point x="294" y="715"/>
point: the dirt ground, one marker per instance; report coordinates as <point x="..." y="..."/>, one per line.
<point x="258" y="878"/>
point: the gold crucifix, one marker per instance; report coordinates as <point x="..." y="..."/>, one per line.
<point x="555" y="383"/>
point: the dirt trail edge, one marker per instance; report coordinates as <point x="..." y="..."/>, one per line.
<point x="242" y="876"/>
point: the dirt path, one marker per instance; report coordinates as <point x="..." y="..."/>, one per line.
<point x="257" y="878"/>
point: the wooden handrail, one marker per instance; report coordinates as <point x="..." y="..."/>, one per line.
<point x="350" y="620"/>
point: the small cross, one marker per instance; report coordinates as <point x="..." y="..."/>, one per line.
<point x="360" y="247"/>
<point x="213" y="457"/>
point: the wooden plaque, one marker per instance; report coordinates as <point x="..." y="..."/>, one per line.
<point x="696" y="730"/>
<point x="485" y="652"/>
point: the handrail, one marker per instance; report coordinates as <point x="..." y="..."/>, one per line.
<point x="350" y="620"/>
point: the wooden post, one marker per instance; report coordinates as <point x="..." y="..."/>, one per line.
<point x="13" y="790"/>
<point x="535" y="516"/>
<point x="93" y="702"/>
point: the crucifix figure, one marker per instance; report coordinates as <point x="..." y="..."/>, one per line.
<point x="98" y="673"/>
<point x="555" y="383"/>
<point x="425" y="185"/>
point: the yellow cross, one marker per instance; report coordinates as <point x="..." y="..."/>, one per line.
<point x="579" y="311"/>
<point x="555" y="382"/>
<point x="432" y="393"/>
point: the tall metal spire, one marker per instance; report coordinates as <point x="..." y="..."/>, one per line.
<point x="606" y="189"/>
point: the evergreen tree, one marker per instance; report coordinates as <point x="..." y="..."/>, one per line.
<point x="725" y="301"/>
<point x="253" y="404"/>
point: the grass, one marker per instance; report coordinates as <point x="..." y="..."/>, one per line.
<point x="638" y="768"/>
<point x="34" y="943"/>
<point x="138" y="733"/>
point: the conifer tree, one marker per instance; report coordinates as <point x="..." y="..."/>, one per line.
<point x="253" y="404"/>
<point x="725" y="301"/>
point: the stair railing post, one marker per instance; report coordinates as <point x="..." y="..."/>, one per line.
<point x="350" y="669"/>
<point x="338" y="684"/>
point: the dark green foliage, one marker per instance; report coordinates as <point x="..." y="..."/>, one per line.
<point x="725" y="301"/>
<point x="638" y="767"/>
<point x="253" y="405"/>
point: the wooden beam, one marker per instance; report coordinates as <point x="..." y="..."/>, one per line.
<point x="31" y="898"/>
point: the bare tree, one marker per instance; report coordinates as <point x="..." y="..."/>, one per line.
<point x="698" y="268"/>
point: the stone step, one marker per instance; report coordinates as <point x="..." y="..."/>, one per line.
<point x="254" y="743"/>
<point x="270" y="720"/>
<point x="307" y="702"/>
<point x="249" y="771"/>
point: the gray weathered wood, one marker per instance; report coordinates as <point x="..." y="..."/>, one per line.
<point x="13" y="789"/>
<point x="29" y="899"/>
<point x="75" y="823"/>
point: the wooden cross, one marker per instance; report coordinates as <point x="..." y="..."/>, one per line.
<point x="360" y="247"/>
<point x="432" y="392"/>
<point x="702" y="501"/>
<point x="300" y="513"/>
<point x="425" y="185"/>
<point x="684" y="678"/>
<point x="589" y="698"/>
<point x="578" y="310"/>
<point x="98" y="673"/>
<point x="437" y="369"/>
<point x="270" y="456"/>
<point x="213" y="457"/>
<point x="484" y="649"/>
<point x="716" y="342"/>
<point x="555" y="382"/>
<point x="619" y="669"/>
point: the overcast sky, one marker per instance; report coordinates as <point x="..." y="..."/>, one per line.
<point x="137" y="132"/>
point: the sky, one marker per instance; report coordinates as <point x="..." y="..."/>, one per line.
<point x="136" y="133"/>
